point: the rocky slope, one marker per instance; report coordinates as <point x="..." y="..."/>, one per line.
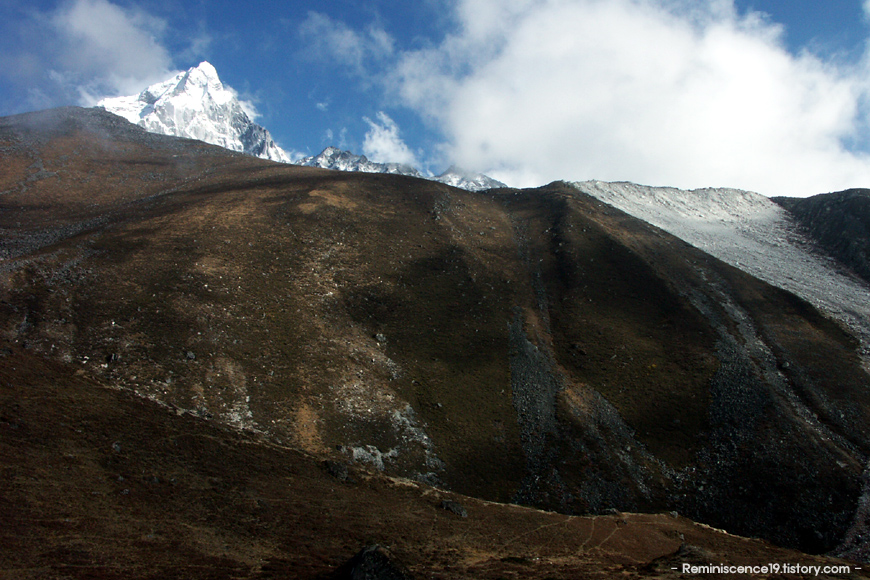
<point x="757" y="235"/>
<point x="839" y="222"/>
<point x="99" y="484"/>
<point x="536" y="346"/>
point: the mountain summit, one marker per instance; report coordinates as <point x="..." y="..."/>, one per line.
<point x="339" y="160"/>
<point x="464" y="179"/>
<point x="195" y="104"/>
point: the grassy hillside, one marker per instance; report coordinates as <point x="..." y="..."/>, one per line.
<point x="98" y="483"/>
<point x="534" y="346"/>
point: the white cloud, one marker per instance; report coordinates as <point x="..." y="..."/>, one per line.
<point x="200" y="46"/>
<point x="329" y="139"/>
<point x="104" y="49"/>
<point x="383" y="144"/>
<point x="662" y="92"/>
<point x="249" y="105"/>
<point x="342" y="138"/>
<point x="330" y="39"/>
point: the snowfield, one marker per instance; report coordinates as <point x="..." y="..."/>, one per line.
<point x="750" y="232"/>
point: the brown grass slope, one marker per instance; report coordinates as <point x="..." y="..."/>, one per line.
<point x="98" y="483"/>
<point x="533" y="346"/>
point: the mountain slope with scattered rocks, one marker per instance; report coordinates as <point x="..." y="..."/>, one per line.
<point x="100" y="483"/>
<point x="533" y="346"/>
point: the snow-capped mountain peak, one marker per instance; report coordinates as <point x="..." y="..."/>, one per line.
<point x="204" y="77"/>
<point x="339" y="160"/>
<point x="458" y="177"/>
<point x="196" y="104"/>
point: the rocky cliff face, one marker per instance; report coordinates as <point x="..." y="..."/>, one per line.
<point x="537" y="346"/>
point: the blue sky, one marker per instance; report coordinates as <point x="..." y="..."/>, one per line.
<point x="771" y="96"/>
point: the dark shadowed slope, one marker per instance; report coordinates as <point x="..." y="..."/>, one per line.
<point x="536" y="346"/>
<point x="840" y="222"/>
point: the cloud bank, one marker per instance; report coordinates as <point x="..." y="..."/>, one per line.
<point x="87" y="49"/>
<point x="114" y="50"/>
<point x="661" y="92"/>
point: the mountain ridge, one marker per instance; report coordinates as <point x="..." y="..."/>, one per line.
<point x="340" y="160"/>
<point x="762" y="237"/>
<point x="196" y="104"/>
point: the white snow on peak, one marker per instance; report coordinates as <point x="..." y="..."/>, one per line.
<point x="754" y="234"/>
<point x="195" y="104"/>
<point x="205" y="78"/>
<point x="339" y="160"/>
<point x="469" y="180"/>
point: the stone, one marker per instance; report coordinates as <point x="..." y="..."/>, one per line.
<point x="454" y="507"/>
<point x="372" y="563"/>
<point x="337" y="470"/>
